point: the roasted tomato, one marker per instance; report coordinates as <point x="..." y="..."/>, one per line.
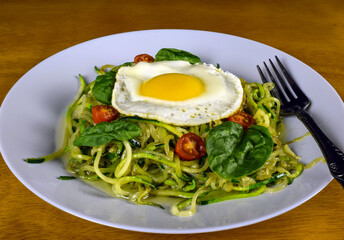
<point x="143" y="58"/>
<point x="244" y="119"/>
<point x="103" y="113"/>
<point x="190" y="146"/>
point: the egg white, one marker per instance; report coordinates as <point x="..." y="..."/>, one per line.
<point x="222" y="97"/>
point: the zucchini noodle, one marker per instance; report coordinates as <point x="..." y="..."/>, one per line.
<point x="142" y="173"/>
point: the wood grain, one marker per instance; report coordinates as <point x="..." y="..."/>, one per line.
<point x="30" y="31"/>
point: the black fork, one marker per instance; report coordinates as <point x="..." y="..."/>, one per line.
<point x="294" y="101"/>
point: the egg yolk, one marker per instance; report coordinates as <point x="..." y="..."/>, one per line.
<point x="172" y="87"/>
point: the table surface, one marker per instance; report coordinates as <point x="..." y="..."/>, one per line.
<point x="30" y="31"/>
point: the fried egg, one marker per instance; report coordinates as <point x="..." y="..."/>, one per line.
<point x="177" y="92"/>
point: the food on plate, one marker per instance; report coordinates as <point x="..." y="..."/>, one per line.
<point x="173" y="127"/>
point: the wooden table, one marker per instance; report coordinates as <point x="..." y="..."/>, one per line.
<point x="30" y="31"/>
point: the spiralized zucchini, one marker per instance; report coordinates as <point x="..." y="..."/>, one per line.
<point x="141" y="172"/>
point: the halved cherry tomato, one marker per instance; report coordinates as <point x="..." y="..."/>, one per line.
<point x="143" y="58"/>
<point x="103" y="113"/>
<point x="244" y="119"/>
<point x="190" y="146"/>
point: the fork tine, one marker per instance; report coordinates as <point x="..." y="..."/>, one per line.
<point x="291" y="81"/>
<point x="279" y="92"/>
<point x="264" y="80"/>
<point x="282" y="82"/>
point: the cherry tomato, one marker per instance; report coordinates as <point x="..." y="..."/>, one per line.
<point x="103" y="113"/>
<point x="244" y="119"/>
<point x="190" y="146"/>
<point x="143" y="58"/>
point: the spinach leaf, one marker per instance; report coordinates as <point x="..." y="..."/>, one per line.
<point x="172" y="54"/>
<point x="104" y="132"/>
<point x="102" y="89"/>
<point x="234" y="153"/>
<point x="103" y="85"/>
<point x="253" y="151"/>
<point x="223" y="138"/>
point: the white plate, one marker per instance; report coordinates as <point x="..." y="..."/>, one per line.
<point x="30" y="113"/>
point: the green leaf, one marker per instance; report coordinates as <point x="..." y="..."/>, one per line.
<point x="234" y="153"/>
<point x="103" y="86"/>
<point x="172" y="54"/>
<point x="224" y="138"/>
<point x="104" y="132"/>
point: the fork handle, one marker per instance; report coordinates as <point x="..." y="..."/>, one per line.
<point x="333" y="155"/>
